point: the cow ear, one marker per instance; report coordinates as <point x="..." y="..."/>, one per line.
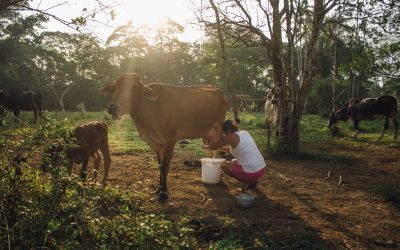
<point x="135" y="78"/>
<point x="149" y="94"/>
<point x="107" y="90"/>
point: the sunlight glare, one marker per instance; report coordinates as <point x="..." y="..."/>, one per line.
<point x="152" y="12"/>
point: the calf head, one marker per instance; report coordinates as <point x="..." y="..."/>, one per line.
<point x="127" y="92"/>
<point x="78" y="155"/>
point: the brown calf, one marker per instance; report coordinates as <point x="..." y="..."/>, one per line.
<point x="91" y="138"/>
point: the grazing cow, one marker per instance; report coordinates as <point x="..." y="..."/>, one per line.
<point x="368" y="109"/>
<point x="26" y="101"/>
<point x="90" y="138"/>
<point x="271" y="115"/>
<point x="164" y="114"/>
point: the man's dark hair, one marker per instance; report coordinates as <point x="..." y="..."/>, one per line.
<point x="229" y="126"/>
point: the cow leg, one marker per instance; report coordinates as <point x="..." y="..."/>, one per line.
<point x="268" y="134"/>
<point x="167" y="156"/>
<point x="105" y="150"/>
<point x="35" y="114"/>
<point x="385" y="126"/>
<point x="160" y="158"/>
<point x="97" y="160"/>
<point x="16" y="115"/>
<point x="356" y="123"/>
<point x="84" y="169"/>
<point x="395" y="125"/>
<point x="70" y="166"/>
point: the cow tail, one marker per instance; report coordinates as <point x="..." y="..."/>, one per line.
<point x="394" y="113"/>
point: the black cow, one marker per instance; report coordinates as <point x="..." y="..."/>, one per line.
<point x="368" y="109"/>
<point x="25" y="101"/>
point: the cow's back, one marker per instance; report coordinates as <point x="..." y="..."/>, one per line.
<point x="369" y="108"/>
<point x="27" y="101"/>
<point x="90" y="136"/>
<point x="187" y="112"/>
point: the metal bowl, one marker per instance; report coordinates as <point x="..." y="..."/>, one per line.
<point x="244" y="200"/>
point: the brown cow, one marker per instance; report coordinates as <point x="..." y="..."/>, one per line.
<point x="90" y="138"/>
<point x="164" y="114"/>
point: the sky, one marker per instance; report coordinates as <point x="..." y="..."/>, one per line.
<point x="141" y="12"/>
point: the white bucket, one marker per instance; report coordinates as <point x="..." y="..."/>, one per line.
<point x="211" y="170"/>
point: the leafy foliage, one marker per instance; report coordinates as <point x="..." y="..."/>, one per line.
<point x="57" y="211"/>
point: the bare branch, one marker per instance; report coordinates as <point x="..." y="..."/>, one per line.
<point x="267" y="14"/>
<point x="329" y="5"/>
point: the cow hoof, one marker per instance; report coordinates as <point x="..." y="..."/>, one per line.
<point x="158" y="190"/>
<point x="162" y="197"/>
<point x="83" y="176"/>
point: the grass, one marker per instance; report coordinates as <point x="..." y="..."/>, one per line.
<point x="124" y="137"/>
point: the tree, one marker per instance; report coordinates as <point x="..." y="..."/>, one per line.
<point x="18" y="70"/>
<point x="68" y="61"/>
<point x="271" y="22"/>
<point x="76" y="23"/>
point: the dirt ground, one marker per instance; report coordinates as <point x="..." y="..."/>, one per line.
<point x="293" y="198"/>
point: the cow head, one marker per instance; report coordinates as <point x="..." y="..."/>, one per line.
<point x="342" y="114"/>
<point x="126" y="92"/>
<point x="334" y="117"/>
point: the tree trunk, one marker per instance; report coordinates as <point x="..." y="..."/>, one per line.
<point x="335" y="74"/>
<point x="282" y="92"/>
<point x="60" y="98"/>
<point x="227" y="78"/>
<point x="298" y="108"/>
